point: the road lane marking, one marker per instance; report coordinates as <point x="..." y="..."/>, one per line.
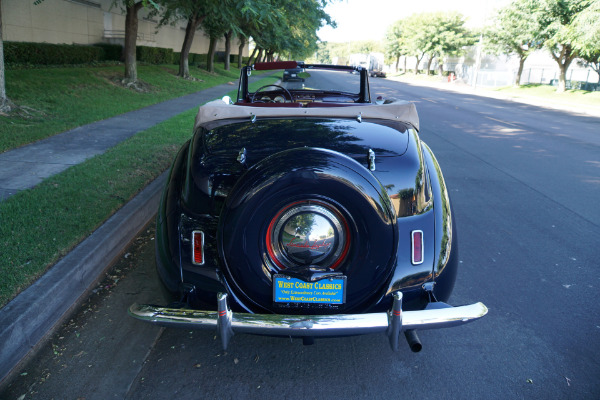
<point x="499" y="120"/>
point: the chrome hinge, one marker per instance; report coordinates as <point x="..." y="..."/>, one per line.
<point x="371" y="160"/>
<point x="242" y="156"/>
<point x="428" y="287"/>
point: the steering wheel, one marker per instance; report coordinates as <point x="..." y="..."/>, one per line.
<point x="287" y="92"/>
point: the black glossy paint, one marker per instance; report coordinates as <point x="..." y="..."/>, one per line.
<point x="290" y="159"/>
<point x="307" y="174"/>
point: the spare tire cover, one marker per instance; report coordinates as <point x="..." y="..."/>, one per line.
<point x="341" y="192"/>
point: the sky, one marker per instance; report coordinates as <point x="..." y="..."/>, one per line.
<point x="369" y="19"/>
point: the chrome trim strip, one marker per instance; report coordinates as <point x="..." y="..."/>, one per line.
<point x="309" y="325"/>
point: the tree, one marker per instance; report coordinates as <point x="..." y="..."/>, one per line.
<point x="227" y="14"/>
<point x="228" y="36"/>
<point x="592" y="60"/>
<point x="193" y="12"/>
<point x="419" y="36"/>
<point x="5" y="104"/>
<point x="556" y="18"/>
<point x="294" y="30"/>
<point x="448" y="37"/>
<point x="131" y="27"/>
<point x="515" y="32"/>
<point x="586" y="35"/>
<point x="585" y="28"/>
<point x="394" y="42"/>
<point x="431" y="34"/>
<point x="242" y="41"/>
<point x="132" y="7"/>
<point x="322" y="55"/>
<point x="215" y="28"/>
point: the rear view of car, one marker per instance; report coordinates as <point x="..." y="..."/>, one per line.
<point x="307" y="211"/>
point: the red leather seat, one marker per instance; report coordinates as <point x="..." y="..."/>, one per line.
<point x="322" y="104"/>
<point x="279" y="105"/>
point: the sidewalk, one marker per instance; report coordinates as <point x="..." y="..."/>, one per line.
<point x="36" y="311"/>
<point x="26" y="166"/>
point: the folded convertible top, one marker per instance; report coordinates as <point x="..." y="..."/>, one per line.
<point x="402" y="111"/>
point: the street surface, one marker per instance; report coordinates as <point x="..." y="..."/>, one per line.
<point x="525" y="184"/>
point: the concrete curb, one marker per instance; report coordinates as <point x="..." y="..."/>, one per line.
<point x="33" y="314"/>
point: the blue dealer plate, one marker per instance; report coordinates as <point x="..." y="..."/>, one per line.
<point x="292" y="290"/>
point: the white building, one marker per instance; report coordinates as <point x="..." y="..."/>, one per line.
<point x="91" y="22"/>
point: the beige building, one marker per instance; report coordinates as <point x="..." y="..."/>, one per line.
<point x="91" y="22"/>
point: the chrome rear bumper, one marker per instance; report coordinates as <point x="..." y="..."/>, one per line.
<point x="392" y="323"/>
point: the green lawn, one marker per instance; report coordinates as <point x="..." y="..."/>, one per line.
<point x="59" y="99"/>
<point x="548" y="93"/>
<point x="42" y="224"/>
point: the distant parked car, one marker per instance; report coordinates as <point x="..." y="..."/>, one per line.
<point x="307" y="212"/>
<point x="293" y="74"/>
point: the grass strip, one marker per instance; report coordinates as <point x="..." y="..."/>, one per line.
<point x="58" y="99"/>
<point x="40" y="225"/>
<point x="546" y="93"/>
<point x="549" y="94"/>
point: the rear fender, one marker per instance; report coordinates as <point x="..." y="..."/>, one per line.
<point x="168" y="255"/>
<point x="445" y="264"/>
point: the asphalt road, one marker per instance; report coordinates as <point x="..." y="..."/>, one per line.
<point x="332" y="80"/>
<point x="525" y="184"/>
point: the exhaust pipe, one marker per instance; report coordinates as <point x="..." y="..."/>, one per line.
<point x="413" y="340"/>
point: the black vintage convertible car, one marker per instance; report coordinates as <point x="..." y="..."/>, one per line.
<point x="305" y="210"/>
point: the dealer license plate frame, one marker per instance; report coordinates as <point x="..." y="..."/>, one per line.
<point x="302" y="292"/>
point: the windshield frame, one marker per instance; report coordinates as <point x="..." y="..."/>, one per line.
<point x="364" y="95"/>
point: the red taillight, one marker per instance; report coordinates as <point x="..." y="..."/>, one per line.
<point x="417" y="247"/>
<point x="198" y="247"/>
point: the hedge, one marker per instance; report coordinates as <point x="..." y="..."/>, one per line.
<point x="200" y="59"/>
<point x="193" y="58"/>
<point x="233" y="58"/>
<point x="65" y="54"/>
<point x="112" y="52"/>
<point x="154" y="55"/>
<point x="50" y="54"/>
<point x="197" y="58"/>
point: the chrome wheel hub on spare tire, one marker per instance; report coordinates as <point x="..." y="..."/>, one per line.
<point x="308" y="233"/>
